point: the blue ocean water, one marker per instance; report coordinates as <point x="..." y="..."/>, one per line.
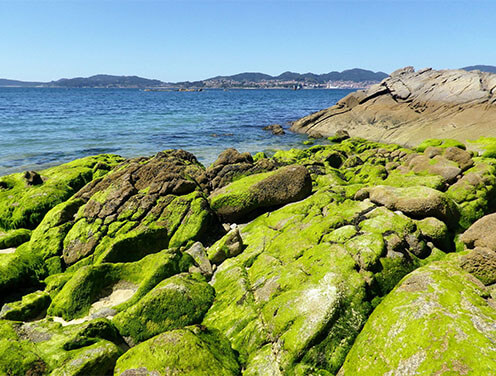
<point x="41" y="127"/>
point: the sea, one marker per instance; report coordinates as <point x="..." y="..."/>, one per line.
<point x="42" y="127"/>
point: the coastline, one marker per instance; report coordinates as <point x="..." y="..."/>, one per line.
<point x="103" y="241"/>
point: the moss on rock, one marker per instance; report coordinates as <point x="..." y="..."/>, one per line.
<point x="24" y="206"/>
<point x="433" y="322"/>
<point x="193" y="350"/>
<point x="175" y="302"/>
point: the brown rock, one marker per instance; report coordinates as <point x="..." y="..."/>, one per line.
<point x="482" y="233"/>
<point x="408" y="107"/>
<point x="481" y="262"/>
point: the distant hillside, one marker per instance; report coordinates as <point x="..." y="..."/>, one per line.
<point x="353" y="75"/>
<point x="348" y="78"/>
<point x="105" y="81"/>
<point x="482" y="68"/>
<point x="14" y="83"/>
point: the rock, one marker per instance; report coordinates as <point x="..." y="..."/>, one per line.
<point x="430" y="324"/>
<point x="33" y="178"/>
<point x="339" y="136"/>
<point x="37" y="348"/>
<point x="232" y="156"/>
<point x="482" y="233"/>
<point x="462" y="157"/>
<point x="406" y="107"/>
<point x="293" y="301"/>
<point x="30" y="307"/>
<point x="24" y="206"/>
<point x="229" y="246"/>
<point x="481" y="262"/>
<point x="175" y="302"/>
<point x="261" y="191"/>
<point x="14" y="238"/>
<point x="438" y="165"/>
<point x="275" y="129"/>
<point x="436" y="231"/>
<point x="231" y="165"/>
<point x="201" y="260"/>
<point x="148" y="204"/>
<point x="188" y="351"/>
<point x="93" y="287"/>
<point x="19" y="270"/>
<point x="417" y="202"/>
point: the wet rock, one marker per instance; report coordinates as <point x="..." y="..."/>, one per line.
<point x="262" y="191"/>
<point x="275" y="129"/>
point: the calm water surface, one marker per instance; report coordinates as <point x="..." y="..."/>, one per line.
<point x="44" y="127"/>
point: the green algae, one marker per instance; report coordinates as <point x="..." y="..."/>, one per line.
<point x="189" y="351"/>
<point x="14" y="238"/>
<point x="85" y="286"/>
<point x="24" y="206"/>
<point x="432" y="322"/>
<point x="175" y="302"/>
<point x="440" y="143"/>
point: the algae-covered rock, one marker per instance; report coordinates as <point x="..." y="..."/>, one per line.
<point x="175" y="302"/>
<point x="231" y="165"/>
<point x="90" y="288"/>
<point x="417" y="202"/>
<point x="146" y="205"/>
<point x="193" y="350"/>
<point x="14" y="238"/>
<point x="23" y="205"/>
<point x="295" y="299"/>
<point x="432" y="323"/>
<point x="229" y="245"/>
<point x="261" y="191"/>
<point x="20" y="269"/>
<point x="38" y="348"/>
<point x="31" y="306"/>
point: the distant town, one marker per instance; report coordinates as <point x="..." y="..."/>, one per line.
<point x="348" y="79"/>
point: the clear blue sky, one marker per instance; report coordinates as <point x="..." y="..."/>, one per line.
<point x="190" y="40"/>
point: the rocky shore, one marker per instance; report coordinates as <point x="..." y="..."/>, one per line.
<point x="357" y="258"/>
<point x="410" y="106"/>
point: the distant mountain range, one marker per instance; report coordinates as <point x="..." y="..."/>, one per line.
<point x="354" y="75"/>
<point x="352" y="78"/>
<point x="482" y="68"/>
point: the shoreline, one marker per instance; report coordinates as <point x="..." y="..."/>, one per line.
<point x="96" y="246"/>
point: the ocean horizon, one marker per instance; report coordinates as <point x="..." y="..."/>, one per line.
<point x="42" y="127"/>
